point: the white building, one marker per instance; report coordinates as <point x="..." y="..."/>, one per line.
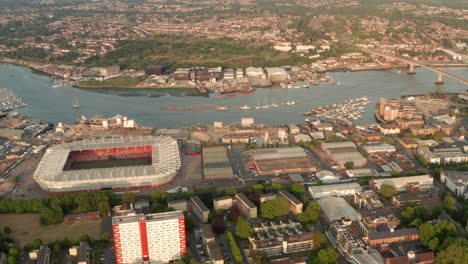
<point x="424" y="182"/>
<point x="376" y="148"/>
<point x="293" y="129"/>
<point x="153" y="238"/>
<point x="334" y="190"/>
<point x="456" y="181"/>
<point x="326" y="176"/>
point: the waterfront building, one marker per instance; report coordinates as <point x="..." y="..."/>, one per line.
<point x="154" y="238"/>
<point x="388" y="129"/>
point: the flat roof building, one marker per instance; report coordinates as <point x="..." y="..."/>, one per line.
<point x="178" y="205"/>
<point x="222" y="203"/>
<point x="456" y="181"/>
<point x="401" y="183"/>
<point x="245" y="206"/>
<point x="199" y="209"/>
<point x="295" y="206"/>
<point x="155" y="238"/>
<point x="282" y="161"/>
<point x="335" y="208"/>
<point x="216" y="163"/>
<point x="344" y="189"/>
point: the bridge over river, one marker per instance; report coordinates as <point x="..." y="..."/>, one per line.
<point x="413" y="63"/>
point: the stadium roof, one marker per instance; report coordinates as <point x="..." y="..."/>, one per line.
<point x="50" y="173"/>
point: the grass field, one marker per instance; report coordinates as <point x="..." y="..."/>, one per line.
<point x="99" y="164"/>
<point x="27" y="227"/>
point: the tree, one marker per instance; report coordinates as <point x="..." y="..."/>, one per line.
<point x="450" y="203"/>
<point x="231" y="191"/>
<point x="319" y="239"/>
<point x="243" y="228"/>
<point x="275" y="208"/>
<point x="327" y="256"/>
<point x="454" y="253"/>
<point x="258" y="188"/>
<point x="387" y="191"/>
<point x="234" y="248"/>
<point x="349" y="165"/>
<point x="189" y="224"/>
<point x="106" y="236"/>
<point x="37" y="243"/>
<point x="11" y="260"/>
<point x="159" y="196"/>
<point x="233" y="213"/>
<point x="104" y="209"/>
<point x="433" y="235"/>
<point x="13" y="252"/>
<point x="311" y="214"/>
<point x="298" y="188"/>
<point x="219" y="226"/>
<point x="7" y="230"/>
<point x="129" y="197"/>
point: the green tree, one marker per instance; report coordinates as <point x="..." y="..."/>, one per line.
<point x="11" y="260"/>
<point x="106" y="237"/>
<point x="13" y="252"/>
<point x="37" y="243"/>
<point x="231" y="191"/>
<point x="311" y="213"/>
<point x="320" y="240"/>
<point x="234" y="248"/>
<point x="243" y="228"/>
<point x="455" y="253"/>
<point x="298" y="188"/>
<point x="274" y="208"/>
<point x="104" y="209"/>
<point x="258" y="188"/>
<point x="450" y="203"/>
<point x="327" y="256"/>
<point x="387" y="191"/>
<point x="129" y="197"/>
<point x="349" y="165"/>
<point x="159" y="196"/>
<point x="7" y="230"/>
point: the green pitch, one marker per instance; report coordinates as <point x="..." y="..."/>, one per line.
<point x="100" y="164"/>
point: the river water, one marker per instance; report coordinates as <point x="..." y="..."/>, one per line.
<point x="54" y="104"/>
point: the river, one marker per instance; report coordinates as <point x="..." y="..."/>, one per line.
<point x="54" y="104"/>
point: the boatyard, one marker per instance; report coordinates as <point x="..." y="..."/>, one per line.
<point x="8" y="101"/>
<point x="348" y="112"/>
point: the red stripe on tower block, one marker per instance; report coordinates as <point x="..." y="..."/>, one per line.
<point x="144" y="241"/>
<point x="182" y="238"/>
<point x="117" y="244"/>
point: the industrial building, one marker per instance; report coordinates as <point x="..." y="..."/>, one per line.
<point x="152" y="238"/>
<point x="282" y="161"/>
<point x="216" y="163"/>
<point x="378" y="148"/>
<point x="343" y="189"/>
<point x="456" y="181"/>
<point x="276" y="74"/>
<point x="86" y="165"/>
<point x="335" y="208"/>
<point x="423" y="182"/>
<point x="155" y="69"/>
<point x="342" y="152"/>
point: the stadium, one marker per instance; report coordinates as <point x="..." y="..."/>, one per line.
<point x="109" y="163"/>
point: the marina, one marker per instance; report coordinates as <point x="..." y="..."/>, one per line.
<point x="348" y="112"/>
<point x="8" y="101"/>
<point x="147" y="105"/>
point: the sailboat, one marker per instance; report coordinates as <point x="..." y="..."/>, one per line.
<point x="75" y="103"/>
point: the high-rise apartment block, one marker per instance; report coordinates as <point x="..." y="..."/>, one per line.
<point x="151" y="238"/>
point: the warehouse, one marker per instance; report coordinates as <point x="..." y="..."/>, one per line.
<point x="216" y="163"/>
<point x="378" y="148"/>
<point x="345" y="189"/>
<point x="282" y="161"/>
<point x="335" y="208"/>
<point x="423" y="182"/>
<point x="277" y="74"/>
<point x="342" y="152"/>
